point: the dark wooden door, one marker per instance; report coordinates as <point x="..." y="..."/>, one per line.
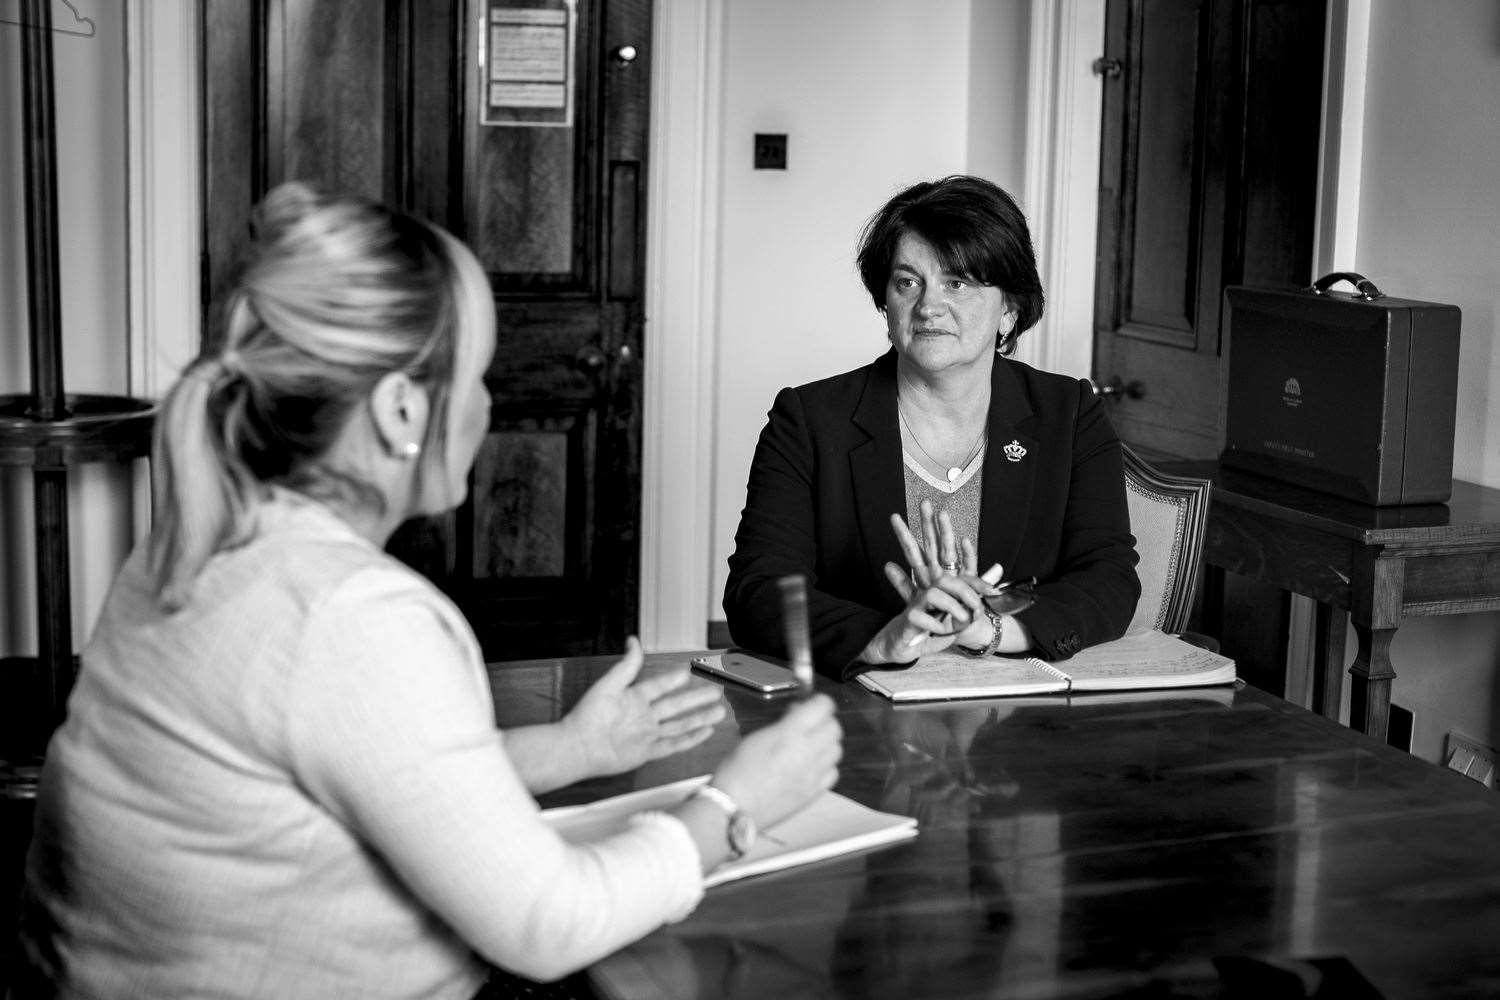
<point x="522" y="127"/>
<point x="1208" y="177"/>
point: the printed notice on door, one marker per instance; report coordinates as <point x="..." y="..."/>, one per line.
<point x="528" y="64"/>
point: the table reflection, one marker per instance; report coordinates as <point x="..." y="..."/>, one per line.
<point x="943" y="904"/>
<point x="1198" y="843"/>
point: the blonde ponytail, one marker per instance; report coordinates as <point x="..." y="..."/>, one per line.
<point x="201" y="491"/>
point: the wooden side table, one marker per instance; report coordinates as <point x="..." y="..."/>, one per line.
<point x="1373" y="566"/>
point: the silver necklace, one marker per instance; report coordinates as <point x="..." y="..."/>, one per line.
<point x="954" y="471"/>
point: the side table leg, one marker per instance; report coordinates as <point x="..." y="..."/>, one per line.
<point x="1329" y="634"/>
<point x="1370" y="696"/>
<point x="1212" y="613"/>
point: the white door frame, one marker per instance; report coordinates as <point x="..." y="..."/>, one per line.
<point x="1064" y="106"/>
<point x="682" y="254"/>
<point x="165" y="173"/>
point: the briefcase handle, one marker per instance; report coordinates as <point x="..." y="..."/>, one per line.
<point x="1363" y="285"/>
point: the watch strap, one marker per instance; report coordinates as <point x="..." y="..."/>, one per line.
<point x="741" y="831"/>
<point x="718" y="797"/>
<point x="997" y="624"/>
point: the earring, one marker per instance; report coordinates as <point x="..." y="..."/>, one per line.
<point x="410" y="450"/>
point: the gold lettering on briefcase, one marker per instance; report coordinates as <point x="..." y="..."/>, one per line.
<point x="1289" y="449"/>
<point x="1291" y="392"/>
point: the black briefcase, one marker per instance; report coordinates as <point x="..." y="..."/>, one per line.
<point x="1350" y="393"/>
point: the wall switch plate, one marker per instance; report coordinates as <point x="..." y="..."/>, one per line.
<point x="1472" y="759"/>
<point x="770" y="151"/>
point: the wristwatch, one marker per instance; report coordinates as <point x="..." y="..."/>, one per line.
<point x="997" y="623"/>
<point x="742" y="831"/>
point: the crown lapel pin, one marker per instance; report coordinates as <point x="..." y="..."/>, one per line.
<point x="1014" y="451"/>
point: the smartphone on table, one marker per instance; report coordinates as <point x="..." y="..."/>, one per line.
<point x="757" y="672"/>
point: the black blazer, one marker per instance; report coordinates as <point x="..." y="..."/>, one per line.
<point x="827" y="475"/>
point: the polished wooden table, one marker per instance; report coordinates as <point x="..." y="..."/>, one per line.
<point x="1146" y="845"/>
<point x="1369" y="566"/>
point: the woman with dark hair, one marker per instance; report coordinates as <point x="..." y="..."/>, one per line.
<point x="280" y="774"/>
<point x="891" y="485"/>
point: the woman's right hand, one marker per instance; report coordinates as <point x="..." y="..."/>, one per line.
<point x="917" y="630"/>
<point x="777" y="770"/>
<point x="943" y="593"/>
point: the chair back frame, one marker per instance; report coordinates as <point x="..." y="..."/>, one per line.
<point x="1190" y="496"/>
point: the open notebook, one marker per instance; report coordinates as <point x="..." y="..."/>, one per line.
<point x="1137" y="660"/>
<point x="831" y="825"/>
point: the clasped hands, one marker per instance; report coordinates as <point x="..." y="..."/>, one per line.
<point x="942" y="589"/>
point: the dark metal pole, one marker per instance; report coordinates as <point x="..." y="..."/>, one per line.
<point x="40" y="126"/>
<point x="48" y="398"/>
<point x="54" y="602"/>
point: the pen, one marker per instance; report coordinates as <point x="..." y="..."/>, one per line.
<point x="990" y="576"/>
<point x="794" y="618"/>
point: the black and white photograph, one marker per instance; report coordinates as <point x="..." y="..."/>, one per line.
<point x="744" y="499"/>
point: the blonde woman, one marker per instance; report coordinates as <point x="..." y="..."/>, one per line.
<point x="280" y="774"/>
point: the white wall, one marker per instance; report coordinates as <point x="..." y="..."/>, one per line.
<point x="91" y="183"/>
<point x="999" y="34"/>
<point x="1429" y="229"/>
<point x="873" y="95"/>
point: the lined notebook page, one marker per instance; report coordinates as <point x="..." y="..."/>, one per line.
<point x="954" y="675"/>
<point x="829" y="826"/>
<point x="1146" y="659"/>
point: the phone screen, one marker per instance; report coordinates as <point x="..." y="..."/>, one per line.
<point x="752" y="671"/>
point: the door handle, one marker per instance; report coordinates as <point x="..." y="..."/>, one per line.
<point x="590" y="359"/>
<point x="1119" y="388"/>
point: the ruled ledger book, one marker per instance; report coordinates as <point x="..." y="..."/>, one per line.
<point x="829" y="826"/>
<point x="1137" y="660"/>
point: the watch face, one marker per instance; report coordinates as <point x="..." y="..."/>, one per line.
<point x="742" y="833"/>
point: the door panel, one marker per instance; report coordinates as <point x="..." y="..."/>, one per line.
<point x="522" y="215"/>
<point x="522" y="492"/>
<point x="1207" y="178"/>
<point x="1278" y="194"/>
<point x="448" y="109"/>
<point x="1158" y="305"/>
<point x="330" y="117"/>
<point x="233" y="154"/>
